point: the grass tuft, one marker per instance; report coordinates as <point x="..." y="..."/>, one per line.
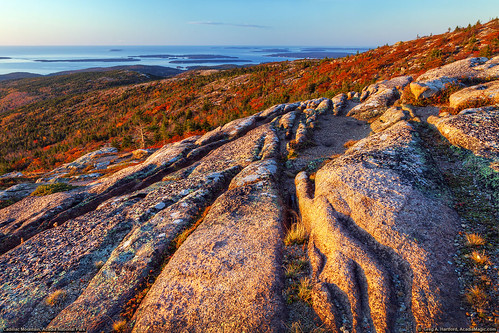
<point x="295" y="268"/>
<point x="180" y="239"/>
<point x="305" y="290"/>
<point x="99" y="264"/>
<point x="119" y="326"/>
<point x="476" y="296"/>
<point x="475" y="239"/>
<point x="297" y="327"/>
<point x="479" y="258"/>
<point x="56" y="297"/>
<point x="297" y="234"/>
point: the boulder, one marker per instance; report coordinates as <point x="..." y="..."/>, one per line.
<point x="29" y="216"/>
<point x="142" y="250"/>
<point x="485" y="94"/>
<point x="381" y="243"/>
<point x="140" y="153"/>
<point x="377" y="97"/>
<point x="86" y="160"/>
<point x="389" y="118"/>
<point x="287" y="121"/>
<point x="469" y="68"/>
<point x="241" y="152"/>
<point x="324" y="106"/>
<point x="234" y="128"/>
<point x="273" y="111"/>
<point x="339" y="102"/>
<point x="227" y="275"/>
<point x="398" y="83"/>
<point x="375" y="105"/>
<point x="211" y="136"/>
<point x="314" y="103"/>
<point x="239" y="126"/>
<point x="301" y="135"/>
<point x="291" y="107"/>
<point x="14" y="174"/>
<point x="17" y="192"/>
<point x="473" y="129"/>
<point x="427" y="89"/>
<point x="465" y="70"/>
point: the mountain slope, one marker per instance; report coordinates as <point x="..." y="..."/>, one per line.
<point x="400" y="228"/>
<point x="64" y="124"/>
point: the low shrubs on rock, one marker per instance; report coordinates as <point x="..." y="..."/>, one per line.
<point x="43" y="190"/>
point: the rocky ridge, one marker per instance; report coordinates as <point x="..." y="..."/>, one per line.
<point x="191" y="238"/>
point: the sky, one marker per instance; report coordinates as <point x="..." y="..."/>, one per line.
<point x="233" y="22"/>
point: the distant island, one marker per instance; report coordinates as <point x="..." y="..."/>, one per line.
<point x="272" y="50"/>
<point x="317" y="55"/>
<point x="213" y="61"/>
<point x="3" y="58"/>
<point x="188" y="56"/>
<point x="17" y="75"/>
<point x="89" y="60"/>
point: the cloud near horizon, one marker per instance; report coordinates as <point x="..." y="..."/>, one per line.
<point x="254" y="26"/>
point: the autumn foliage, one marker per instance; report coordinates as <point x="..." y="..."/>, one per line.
<point x="48" y="121"/>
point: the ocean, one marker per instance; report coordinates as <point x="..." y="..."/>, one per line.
<point x="52" y="59"/>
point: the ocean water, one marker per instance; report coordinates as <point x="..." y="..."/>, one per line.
<point x="51" y="59"/>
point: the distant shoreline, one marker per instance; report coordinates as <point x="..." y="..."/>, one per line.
<point x="47" y="60"/>
<point x="89" y="60"/>
<point x="314" y="55"/>
<point x="214" y="61"/>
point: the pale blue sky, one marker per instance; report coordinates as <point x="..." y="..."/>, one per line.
<point x="233" y="22"/>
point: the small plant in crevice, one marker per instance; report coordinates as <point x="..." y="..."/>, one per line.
<point x="99" y="264"/>
<point x="56" y="297"/>
<point x="180" y="239"/>
<point x="298" y="327"/>
<point x="476" y="296"/>
<point x="295" y="268"/>
<point x="350" y="143"/>
<point x="479" y="258"/>
<point x="7" y="203"/>
<point x="297" y="232"/>
<point x="292" y="154"/>
<point x="305" y="290"/>
<point x="474" y="239"/>
<point x="141" y="291"/>
<point x="120" y="326"/>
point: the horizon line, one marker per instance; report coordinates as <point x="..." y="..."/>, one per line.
<point x="184" y="45"/>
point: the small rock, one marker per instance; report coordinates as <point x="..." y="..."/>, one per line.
<point x="160" y="206"/>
